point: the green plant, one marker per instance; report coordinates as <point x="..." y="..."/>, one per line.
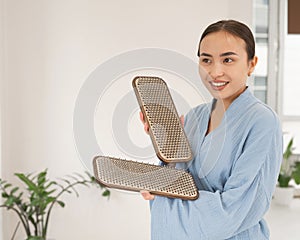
<point x="289" y="169"/>
<point x="34" y="206"/>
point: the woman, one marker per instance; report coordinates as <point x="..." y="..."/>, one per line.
<point x="237" y="146"/>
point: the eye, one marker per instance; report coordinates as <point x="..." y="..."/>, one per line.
<point x="205" y="60"/>
<point x="228" y="60"/>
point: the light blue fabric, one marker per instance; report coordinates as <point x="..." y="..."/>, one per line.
<point x="235" y="168"/>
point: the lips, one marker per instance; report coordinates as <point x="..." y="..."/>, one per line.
<point x="218" y="85"/>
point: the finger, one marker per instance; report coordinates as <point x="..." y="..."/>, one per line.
<point x="142" y="117"/>
<point x="182" y="120"/>
<point x="147" y="195"/>
<point x="146" y="126"/>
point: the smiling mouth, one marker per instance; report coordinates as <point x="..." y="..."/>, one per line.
<point x="218" y="84"/>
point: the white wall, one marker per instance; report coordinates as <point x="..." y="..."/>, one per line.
<point x="50" y="49"/>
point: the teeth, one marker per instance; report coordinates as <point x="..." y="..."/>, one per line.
<point x="218" y="84"/>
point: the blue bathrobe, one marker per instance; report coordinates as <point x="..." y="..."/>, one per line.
<point x="235" y="168"/>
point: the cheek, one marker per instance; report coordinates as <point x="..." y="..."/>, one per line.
<point x="240" y="73"/>
<point x="203" y="73"/>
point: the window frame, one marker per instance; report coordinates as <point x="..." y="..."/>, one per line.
<point x="281" y="22"/>
<point x="273" y="93"/>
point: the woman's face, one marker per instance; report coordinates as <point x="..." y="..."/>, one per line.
<point x="224" y="65"/>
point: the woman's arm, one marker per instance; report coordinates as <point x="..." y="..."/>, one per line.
<point x="241" y="204"/>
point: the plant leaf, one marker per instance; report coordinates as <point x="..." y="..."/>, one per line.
<point x="106" y="193"/>
<point x="61" y="203"/>
<point x="50" y="184"/>
<point x="35" y="238"/>
<point x="41" y="180"/>
<point x="31" y="185"/>
<point x="14" y="190"/>
<point x="284" y="180"/>
<point x="7" y="185"/>
<point x="5" y="195"/>
<point x="296" y="173"/>
<point x="10" y="201"/>
<point x="289" y="149"/>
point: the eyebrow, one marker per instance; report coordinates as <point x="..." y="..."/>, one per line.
<point x="221" y="55"/>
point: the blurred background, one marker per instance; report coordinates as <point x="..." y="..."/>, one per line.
<point x="48" y="50"/>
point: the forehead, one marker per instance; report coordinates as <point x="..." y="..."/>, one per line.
<point x="220" y="42"/>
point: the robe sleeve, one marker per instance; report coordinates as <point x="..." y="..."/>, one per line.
<point x="244" y="199"/>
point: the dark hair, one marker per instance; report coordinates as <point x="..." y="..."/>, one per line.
<point x="235" y="28"/>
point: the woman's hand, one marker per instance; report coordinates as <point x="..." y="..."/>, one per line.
<point x="147" y="195"/>
<point x="146" y="126"/>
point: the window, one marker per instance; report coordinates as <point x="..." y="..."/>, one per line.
<point x="289" y="64"/>
<point x="261" y="27"/>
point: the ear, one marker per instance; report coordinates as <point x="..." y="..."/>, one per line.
<point x="252" y="64"/>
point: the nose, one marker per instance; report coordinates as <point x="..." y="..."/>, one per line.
<point x="216" y="70"/>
